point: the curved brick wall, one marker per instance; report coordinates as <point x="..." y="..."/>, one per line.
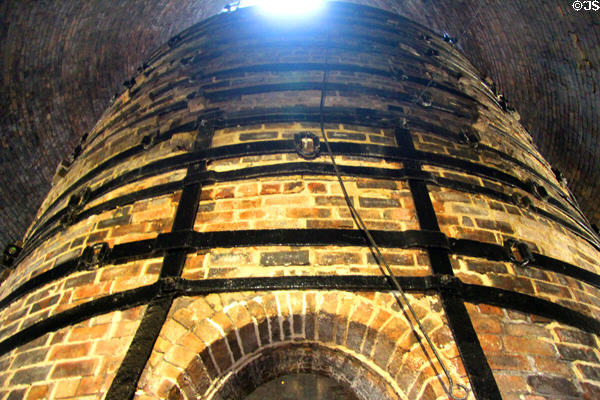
<point x="191" y="251"/>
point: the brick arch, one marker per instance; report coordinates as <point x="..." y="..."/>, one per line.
<point x="300" y="357"/>
<point x="208" y="344"/>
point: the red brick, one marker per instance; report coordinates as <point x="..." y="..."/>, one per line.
<point x="316" y="187"/>
<point x="69" y="351"/>
<point x="270" y="188"/>
<point x="73" y="368"/>
<point x="38" y="392"/>
<point x="308" y="213"/>
<point x="520" y="345"/>
<point x="86" y="333"/>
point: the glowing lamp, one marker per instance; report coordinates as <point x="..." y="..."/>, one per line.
<point x="285" y="8"/>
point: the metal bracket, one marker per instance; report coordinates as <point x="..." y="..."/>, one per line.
<point x="129" y="83"/>
<point x="176" y="240"/>
<point x="94" y="255"/>
<point x="425" y="100"/>
<point x="206" y="130"/>
<point x="398" y="74"/>
<point x="174" y="41"/>
<point x="449" y="39"/>
<point x="307" y="145"/>
<point x="11" y="252"/>
<point x="538" y="190"/>
<point x="518" y="252"/>
<point x="470" y="137"/>
<point x="450" y="283"/>
<point x="168" y="286"/>
<point x="75" y="204"/>
<point x="150" y="140"/>
<point x="521" y="201"/>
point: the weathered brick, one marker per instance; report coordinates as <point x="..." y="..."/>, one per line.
<point x="505" y="362"/>
<point x="376" y="202"/>
<point x="83" y="279"/>
<point x="73" y="368"/>
<point x="317" y="187"/>
<point x="528" y="346"/>
<point x="29" y="357"/>
<point x="589" y="372"/>
<point x="376" y="184"/>
<point x="338" y="258"/>
<point x="108" y="223"/>
<point x="284" y="258"/>
<point x="554" y="386"/>
<point x="572" y="353"/>
<point x="230" y="259"/>
<point x="86" y="333"/>
<point x="257" y="136"/>
<point x="331" y="201"/>
<point x="293" y="187"/>
<point x="270" y="188"/>
<point x="308" y="213"/>
<point x="68" y="351"/>
<point x="346" y="136"/>
<point x="575" y="336"/>
<point x="29" y="375"/>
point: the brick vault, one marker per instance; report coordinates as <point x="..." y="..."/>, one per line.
<point x="267" y="199"/>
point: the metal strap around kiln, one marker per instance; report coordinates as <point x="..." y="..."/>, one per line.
<point x="192" y="241"/>
<point x="301" y="114"/>
<point x="342" y="148"/>
<point x="126" y="379"/>
<point x="473" y="358"/>
<point x="182" y="287"/>
<point x="298" y="168"/>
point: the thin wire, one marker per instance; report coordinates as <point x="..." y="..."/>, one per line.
<point x="470" y="22"/>
<point x="375" y="248"/>
<point x="455" y="41"/>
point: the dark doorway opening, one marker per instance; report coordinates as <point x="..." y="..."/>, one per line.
<point x="301" y="386"/>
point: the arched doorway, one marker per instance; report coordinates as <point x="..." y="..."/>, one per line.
<point x="304" y="370"/>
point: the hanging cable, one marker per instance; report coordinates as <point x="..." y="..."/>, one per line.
<point x="455" y="41"/>
<point x="383" y="265"/>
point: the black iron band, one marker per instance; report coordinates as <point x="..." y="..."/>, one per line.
<point x="175" y="287"/>
<point x="339" y="148"/>
<point x="301" y="114"/>
<point x="126" y="379"/>
<point x="480" y="374"/>
<point x="191" y="241"/>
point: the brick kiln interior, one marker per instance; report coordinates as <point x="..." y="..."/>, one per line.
<point x="200" y="244"/>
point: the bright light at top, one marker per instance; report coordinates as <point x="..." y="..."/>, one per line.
<point x="287" y="8"/>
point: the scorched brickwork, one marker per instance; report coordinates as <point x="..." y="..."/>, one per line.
<point x="200" y="243"/>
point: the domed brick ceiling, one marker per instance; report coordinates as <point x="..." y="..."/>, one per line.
<point x="63" y="61"/>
